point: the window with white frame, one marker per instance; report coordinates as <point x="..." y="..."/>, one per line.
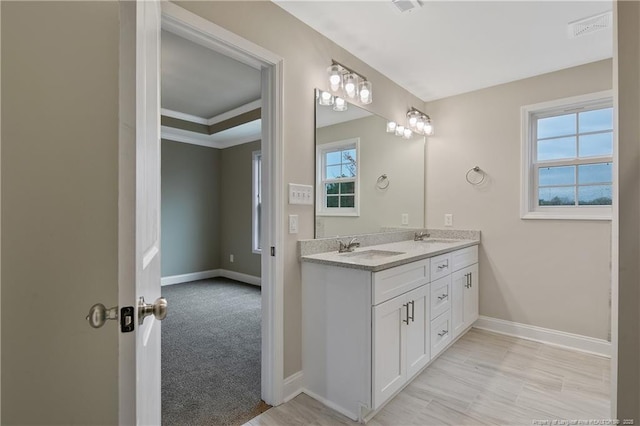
<point x="257" y="201"/>
<point x="338" y="178"/>
<point x="567" y="170"/>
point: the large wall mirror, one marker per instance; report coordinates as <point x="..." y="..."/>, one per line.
<point x="366" y="179"/>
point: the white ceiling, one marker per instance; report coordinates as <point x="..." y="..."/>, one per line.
<point x="326" y="116"/>
<point x="200" y="82"/>
<point x="451" y="47"/>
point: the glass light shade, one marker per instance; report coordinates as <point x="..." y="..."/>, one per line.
<point x="350" y="85"/>
<point x="325" y="98"/>
<point x="428" y="128"/>
<point x="340" y="104"/>
<point x="407" y="134"/>
<point x="366" y="92"/>
<point x="335" y="77"/>
<point x="391" y="126"/>
<point x="420" y="125"/>
<point x="413" y="117"/>
<point x="399" y="130"/>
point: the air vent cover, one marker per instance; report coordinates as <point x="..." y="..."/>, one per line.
<point x="590" y="25"/>
<point x="403" y="6"/>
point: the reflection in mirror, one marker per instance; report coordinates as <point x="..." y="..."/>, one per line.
<point x="366" y="179"/>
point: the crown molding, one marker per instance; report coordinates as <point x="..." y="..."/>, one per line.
<point x="182" y="116"/>
<point x="235" y="112"/>
<point x="209" y="141"/>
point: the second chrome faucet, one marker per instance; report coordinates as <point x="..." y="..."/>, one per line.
<point x="348" y="247"/>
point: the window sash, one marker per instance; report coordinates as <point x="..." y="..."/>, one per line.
<point x="321" y="194"/>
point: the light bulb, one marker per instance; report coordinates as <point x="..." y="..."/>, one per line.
<point x="412" y="121"/>
<point x="350" y="85"/>
<point x="428" y="128"/>
<point x="399" y="130"/>
<point x="407" y="133"/>
<point x="340" y="104"/>
<point x="335" y="77"/>
<point x="420" y="125"/>
<point x="365" y="92"/>
<point x="325" y="99"/>
<point x="391" y="126"/>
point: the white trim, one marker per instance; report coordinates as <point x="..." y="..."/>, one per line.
<point x="293" y="386"/>
<point x="527" y="181"/>
<point x="212" y="273"/>
<point x="193" y="276"/>
<point x="545" y="335"/>
<point x="321" y="209"/>
<point x="183" y="116"/>
<point x="199" y="30"/>
<point x="195" y="138"/>
<point x="256" y="194"/>
<point x="235" y="112"/>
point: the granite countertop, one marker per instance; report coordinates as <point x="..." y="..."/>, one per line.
<point x="408" y="251"/>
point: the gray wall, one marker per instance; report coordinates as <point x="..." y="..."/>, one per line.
<point x="236" y="208"/>
<point x="206" y="209"/>
<point x="59" y="211"/>
<point x="190" y="208"/>
<point x="548" y="273"/>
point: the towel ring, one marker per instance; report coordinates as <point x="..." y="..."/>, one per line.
<point x="382" y="182"/>
<point x="479" y="171"/>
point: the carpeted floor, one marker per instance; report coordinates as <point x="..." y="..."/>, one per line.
<point x="211" y="353"/>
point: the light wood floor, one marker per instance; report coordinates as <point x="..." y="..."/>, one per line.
<point x="484" y="378"/>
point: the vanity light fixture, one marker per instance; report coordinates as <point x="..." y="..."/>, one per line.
<point x="419" y="122"/>
<point x="339" y="104"/>
<point x="349" y="84"/>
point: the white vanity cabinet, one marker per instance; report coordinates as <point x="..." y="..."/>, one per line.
<point x="367" y="334"/>
<point x="465" y="290"/>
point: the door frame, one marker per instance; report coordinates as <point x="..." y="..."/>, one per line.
<point x="201" y="31"/>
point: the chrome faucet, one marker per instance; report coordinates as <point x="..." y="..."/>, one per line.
<point x="419" y="236"/>
<point x="348" y="247"/>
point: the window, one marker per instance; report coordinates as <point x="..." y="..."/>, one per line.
<point x="338" y="178"/>
<point x="257" y="202"/>
<point x="567" y="169"/>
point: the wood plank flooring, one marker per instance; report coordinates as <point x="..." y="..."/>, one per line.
<point x="483" y="379"/>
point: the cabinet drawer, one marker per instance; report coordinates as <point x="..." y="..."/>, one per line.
<point x="463" y="258"/>
<point x="440" y="333"/>
<point x="393" y="282"/>
<point x="440" y="296"/>
<point x="440" y="266"/>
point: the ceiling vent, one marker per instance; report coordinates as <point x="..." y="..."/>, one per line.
<point x="590" y="25"/>
<point x="403" y="6"/>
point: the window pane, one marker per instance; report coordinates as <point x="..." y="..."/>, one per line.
<point x="555" y="149"/>
<point x="594" y="173"/>
<point x="347" y="188"/>
<point x="594" y="195"/>
<point x="332" y="188"/>
<point x="598" y="119"/>
<point x="554" y="196"/>
<point x="565" y="175"/>
<point x="349" y="170"/>
<point x="347" y="201"/>
<point x="598" y="144"/>
<point x="560" y="125"/>
<point x="334" y="157"/>
<point x="332" y="201"/>
<point x="334" y="172"/>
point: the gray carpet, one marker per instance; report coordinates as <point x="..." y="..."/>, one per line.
<point x="211" y="353"/>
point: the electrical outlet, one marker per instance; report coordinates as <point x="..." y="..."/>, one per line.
<point x="293" y="223"/>
<point x="405" y="218"/>
<point x="448" y="219"/>
<point x="231" y="258"/>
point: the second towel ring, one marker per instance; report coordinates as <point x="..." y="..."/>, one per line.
<point x="382" y="182"/>
<point x="479" y="171"/>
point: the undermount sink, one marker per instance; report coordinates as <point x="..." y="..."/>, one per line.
<point x="372" y="254"/>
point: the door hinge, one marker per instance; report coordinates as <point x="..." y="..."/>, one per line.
<point x="127" y="323"/>
<point x="273" y="251"/>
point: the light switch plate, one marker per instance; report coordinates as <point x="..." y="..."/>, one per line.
<point x="448" y="219"/>
<point x="405" y="218"/>
<point x="293" y="223"/>
<point x="300" y="194"/>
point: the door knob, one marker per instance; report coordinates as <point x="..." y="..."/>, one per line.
<point x="99" y="314"/>
<point x="158" y="309"/>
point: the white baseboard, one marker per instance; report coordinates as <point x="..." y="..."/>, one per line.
<point x="546" y="335"/>
<point x="293" y="386"/>
<point x="194" y="276"/>
<point x="212" y="273"/>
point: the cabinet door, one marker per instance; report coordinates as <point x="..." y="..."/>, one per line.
<point x="418" y="330"/>
<point x="459" y="283"/>
<point x="471" y="296"/>
<point x="389" y="335"/>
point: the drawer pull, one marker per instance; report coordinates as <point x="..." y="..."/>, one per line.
<point x="443" y="266"/>
<point x="443" y="333"/>
<point x="444" y="296"/>
<point x="467" y="285"/>
<point x="413" y="310"/>
<point x="406" y="321"/>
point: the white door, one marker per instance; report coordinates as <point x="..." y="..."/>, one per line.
<point x="389" y="334"/>
<point x="418" y="330"/>
<point x="147" y="216"/>
<point x="471" y="302"/>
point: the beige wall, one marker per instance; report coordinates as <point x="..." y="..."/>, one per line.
<point x="236" y="210"/>
<point x="306" y="55"/>
<point x="380" y="153"/>
<point x="547" y="273"/>
<point x="59" y="211"/>
<point x="627" y="73"/>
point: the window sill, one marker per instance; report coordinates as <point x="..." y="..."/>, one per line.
<point x="556" y="215"/>
<point x="338" y="214"/>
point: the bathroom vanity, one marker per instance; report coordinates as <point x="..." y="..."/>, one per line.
<point x="375" y="317"/>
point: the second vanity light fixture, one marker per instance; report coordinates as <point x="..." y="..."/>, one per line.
<point x="417" y="122"/>
<point x="349" y="84"/>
